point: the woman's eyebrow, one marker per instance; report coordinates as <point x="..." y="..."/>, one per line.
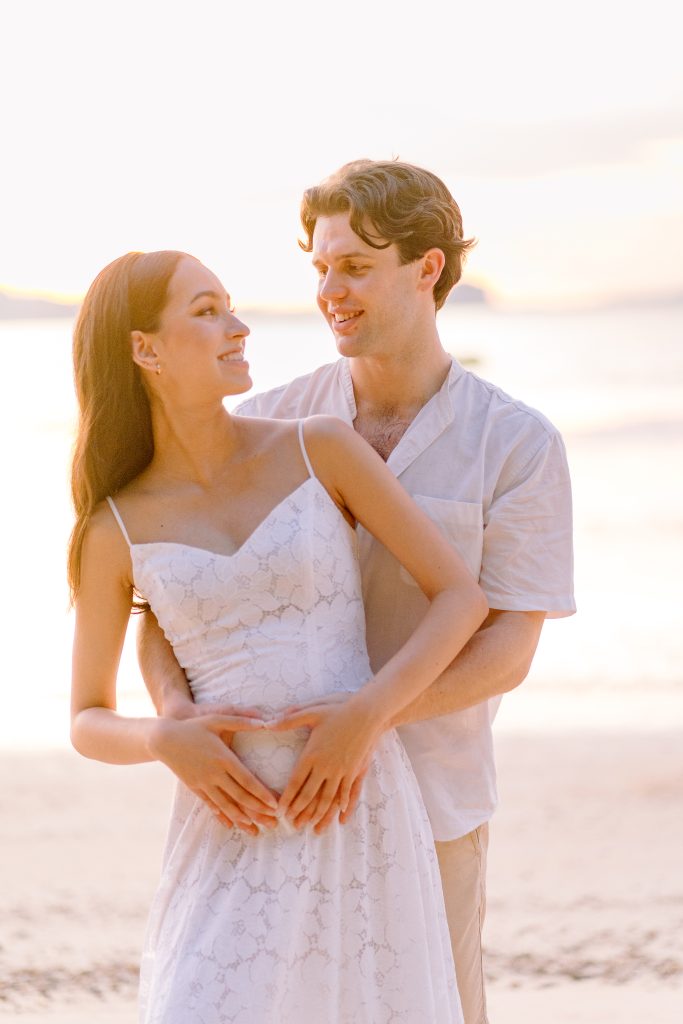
<point x="209" y="294"/>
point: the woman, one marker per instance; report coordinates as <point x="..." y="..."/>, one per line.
<point x="239" y="534"/>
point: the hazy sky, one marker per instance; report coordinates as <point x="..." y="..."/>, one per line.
<point x="196" y="125"/>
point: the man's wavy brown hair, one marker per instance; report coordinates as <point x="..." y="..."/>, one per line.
<point x="393" y="203"/>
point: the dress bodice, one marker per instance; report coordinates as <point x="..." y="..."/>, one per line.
<point x="278" y="621"/>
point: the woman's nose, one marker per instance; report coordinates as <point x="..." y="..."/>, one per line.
<point x="235" y="328"/>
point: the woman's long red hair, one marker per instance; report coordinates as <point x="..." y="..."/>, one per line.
<point x="114" y="440"/>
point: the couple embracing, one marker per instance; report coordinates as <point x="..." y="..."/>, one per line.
<point x="344" y="579"/>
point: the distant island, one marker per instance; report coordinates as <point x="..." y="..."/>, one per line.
<point x="466" y="293"/>
<point x="29" y="307"/>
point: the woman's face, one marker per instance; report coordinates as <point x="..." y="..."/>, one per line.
<point x="200" y="342"/>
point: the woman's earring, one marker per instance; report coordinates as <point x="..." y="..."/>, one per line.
<point x="158" y="368"/>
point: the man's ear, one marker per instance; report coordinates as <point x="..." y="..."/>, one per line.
<point x="432" y="264"/>
<point x="143" y="351"/>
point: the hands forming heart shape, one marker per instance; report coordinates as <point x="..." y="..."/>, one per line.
<point x="326" y="782"/>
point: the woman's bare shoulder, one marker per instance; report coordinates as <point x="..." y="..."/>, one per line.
<point x="103" y="538"/>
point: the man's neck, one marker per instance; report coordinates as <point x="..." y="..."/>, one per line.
<point x="399" y="384"/>
<point x="390" y="393"/>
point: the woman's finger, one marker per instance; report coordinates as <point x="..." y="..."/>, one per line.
<point x="311" y="810"/>
<point x="235" y="709"/>
<point x="329" y="799"/>
<point x="217" y="800"/>
<point x="352" y="800"/>
<point x="252" y="787"/>
<point x="239" y="795"/>
<point x="309" y="716"/>
<point x="308" y="791"/>
<point x="328" y="817"/>
<point x="215" y="810"/>
<point x="234" y="723"/>
<point x="318" y="703"/>
<point x="223" y="819"/>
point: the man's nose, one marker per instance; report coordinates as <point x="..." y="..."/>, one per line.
<point x="331" y="287"/>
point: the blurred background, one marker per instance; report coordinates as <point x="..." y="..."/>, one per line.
<point x="559" y="130"/>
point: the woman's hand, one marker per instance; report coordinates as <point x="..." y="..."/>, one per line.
<point x="197" y="750"/>
<point x="345" y="730"/>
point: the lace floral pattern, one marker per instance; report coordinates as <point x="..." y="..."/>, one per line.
<point x="343" y="928"/>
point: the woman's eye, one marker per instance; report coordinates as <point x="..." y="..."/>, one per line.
<point x="209" y="310"/>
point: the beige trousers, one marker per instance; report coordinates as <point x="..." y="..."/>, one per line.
<point x="463" y="875"/>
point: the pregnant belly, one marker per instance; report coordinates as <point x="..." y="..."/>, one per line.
<point x="271" y="756"/>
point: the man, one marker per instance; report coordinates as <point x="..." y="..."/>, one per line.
<point x="388" y="246"/>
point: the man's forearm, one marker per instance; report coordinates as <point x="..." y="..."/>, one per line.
<point x="164" y="678"/>
<point x="495" y="660"/>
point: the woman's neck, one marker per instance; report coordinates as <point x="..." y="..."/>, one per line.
<point x="193" y="444"/>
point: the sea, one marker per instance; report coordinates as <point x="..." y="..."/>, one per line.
<point x="610" y="379"/>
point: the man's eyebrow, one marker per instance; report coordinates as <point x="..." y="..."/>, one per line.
<point x="347" y="256"/>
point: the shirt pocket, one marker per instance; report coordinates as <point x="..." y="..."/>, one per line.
<point x="462" y="524"/>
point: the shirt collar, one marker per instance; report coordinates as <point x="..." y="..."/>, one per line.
<point x="433" y="418"/>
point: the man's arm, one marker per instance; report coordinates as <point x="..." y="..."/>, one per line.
<point x="494" y="661"/>
<point x="164" y="678"/>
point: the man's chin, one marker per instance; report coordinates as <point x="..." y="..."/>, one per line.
<point x="349" y="347"/>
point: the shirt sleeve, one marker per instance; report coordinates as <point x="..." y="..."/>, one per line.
<point x="527" y="562"/>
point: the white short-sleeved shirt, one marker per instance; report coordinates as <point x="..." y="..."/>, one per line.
<point x="492" y="473"/>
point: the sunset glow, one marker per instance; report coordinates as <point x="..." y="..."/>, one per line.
<point x="142" y="126"/>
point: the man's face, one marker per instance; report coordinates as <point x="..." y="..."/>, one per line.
<point x="367" y="297"/>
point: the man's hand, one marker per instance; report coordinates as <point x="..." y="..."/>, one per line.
<point x="196" y="748"/>
<point x="328" y="776"/>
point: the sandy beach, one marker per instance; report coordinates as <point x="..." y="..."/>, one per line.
<point x="585" y="917"/>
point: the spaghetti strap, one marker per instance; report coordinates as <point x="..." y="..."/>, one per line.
<point x="309" y="467"/>
<point x="119" y="520"/>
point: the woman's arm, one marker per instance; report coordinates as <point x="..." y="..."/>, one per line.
<point x="98" y="731"/>
<point x="102" y="611"/>
<point x="345" y="734"/>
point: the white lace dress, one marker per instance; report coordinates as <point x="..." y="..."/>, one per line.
<point x="288" y="927"/>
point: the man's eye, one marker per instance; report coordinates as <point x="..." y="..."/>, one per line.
<point x="356" y="268"/>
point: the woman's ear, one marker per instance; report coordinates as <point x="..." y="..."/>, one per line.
<point x="143" y="351"/>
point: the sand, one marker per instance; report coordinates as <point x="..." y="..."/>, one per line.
<point x="585" y="915"/>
